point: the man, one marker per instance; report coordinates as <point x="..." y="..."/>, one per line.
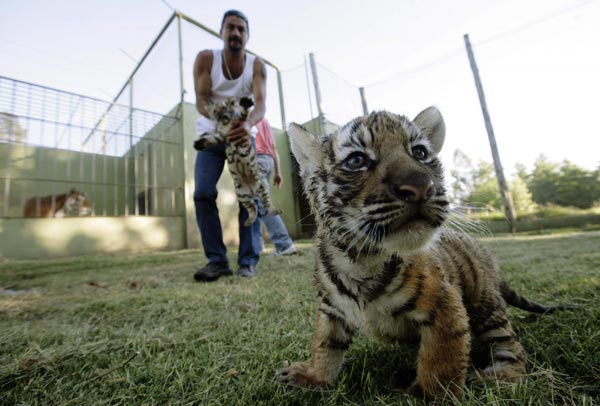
<point x="267" y="158"/>
<point x="219" y="74"/>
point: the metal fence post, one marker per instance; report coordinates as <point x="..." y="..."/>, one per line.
<point x="363" y="100"/>
<point x="313" y="66"/>
<point x="509" y="209"/>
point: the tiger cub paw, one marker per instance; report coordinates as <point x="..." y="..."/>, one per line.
<point x="252" y="215"/>
<point x="275" y="211"/>
<point x="200" y="144"/>
<point x="299" y="374"/>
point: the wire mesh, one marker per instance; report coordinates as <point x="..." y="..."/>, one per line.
<point x="53" y="141"/>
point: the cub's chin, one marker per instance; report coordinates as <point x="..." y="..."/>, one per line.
<point x="409" y="237"/>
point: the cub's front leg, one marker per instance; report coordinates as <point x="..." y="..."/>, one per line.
<point x="208" y="139"/>
<point x="330" y="340"/>
<point x="443" y="356"/>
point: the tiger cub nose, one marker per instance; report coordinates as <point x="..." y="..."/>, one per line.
<point x="413" y="193"/>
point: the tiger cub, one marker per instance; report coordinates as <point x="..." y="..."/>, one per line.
<point x="386" y="265"/>
<point x="241" y="159"/>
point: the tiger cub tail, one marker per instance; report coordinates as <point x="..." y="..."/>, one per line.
<point x="516" y="300"/>
<point x="252" y="209"/>
<point x="265" y="198"/>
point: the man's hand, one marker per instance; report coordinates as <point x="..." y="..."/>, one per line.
<point x="240" y="134"/>
<point x="277" y="180"/>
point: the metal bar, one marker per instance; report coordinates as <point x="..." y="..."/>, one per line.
<point x="281" y="100"/>
<point x="509" y="209"/>
<point x="55" y="163"/>
<point x="146" y="179"/>
<point x="135" y="179"/>
<point x="52" y="88"/>
<point x="363" y="100"/>
<point x="115" y="177"/>
<point x="163" y="175"/>
<point x="315" y="76"/>
<point x="131" y="144"/>
<point x="154" y="180"/>
<point x="27" y="128"/>
<point x="127" y="82"/>
<point x="104" y="176"/>
<point x="180" y="48"/>
<point x="38" y="165"/>
<point x="181" y="112"/>
<point x="67" y="130"/>
<point x="8" y="174"/>
<point x="308" y="88"/>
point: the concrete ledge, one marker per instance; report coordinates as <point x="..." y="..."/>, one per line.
<point x="61" y="237"/>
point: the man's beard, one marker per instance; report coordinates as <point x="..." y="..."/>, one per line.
<point x="234" y="45"/>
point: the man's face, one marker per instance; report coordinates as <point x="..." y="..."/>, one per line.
<point x="234" y="33"/>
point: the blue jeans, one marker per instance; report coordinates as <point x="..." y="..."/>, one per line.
<point x="209" y="166"/>
<point x="275" y="226"/>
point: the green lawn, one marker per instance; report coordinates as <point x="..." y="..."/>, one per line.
<point x="137" y="330"/>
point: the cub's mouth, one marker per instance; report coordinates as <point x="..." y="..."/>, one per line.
<point x="416" y="222"/>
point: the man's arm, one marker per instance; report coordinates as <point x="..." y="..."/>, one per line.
<point x="241" y="134"/>
<point x="268" y="135"/>
<point x="202" y="81"/>
<point x="259" y="87"/>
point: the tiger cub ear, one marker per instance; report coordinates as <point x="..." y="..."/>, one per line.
<point x="431" y="123"/>
<point x="305" y="147"/>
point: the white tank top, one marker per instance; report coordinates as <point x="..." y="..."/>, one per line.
<point x="223" y="88"/>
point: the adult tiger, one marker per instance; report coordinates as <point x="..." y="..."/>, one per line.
<point x="73" y="203"/>
<point x="387" y="266"/>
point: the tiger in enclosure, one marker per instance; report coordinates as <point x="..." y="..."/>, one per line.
<point x="74" y="203"/>
<point x="241" y="159"/>
<point x="388" y="267"/>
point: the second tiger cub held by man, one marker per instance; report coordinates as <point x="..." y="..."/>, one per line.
<point x="241" y="159"/>
<point x="389" y="268"/>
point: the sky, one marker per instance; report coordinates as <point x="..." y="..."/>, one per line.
<point x="538" y="61"/>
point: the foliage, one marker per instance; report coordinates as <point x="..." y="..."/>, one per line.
<point x="564" y="185"/>
<point x="549" y="183"/>
<point x="10" y="128"/>
<point x="136" y="330"/>
<point x="477" y="185"/>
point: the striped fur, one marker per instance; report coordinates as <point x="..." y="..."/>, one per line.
<point x="241" y="159"/>
<point x="386" y="265"/>
<point x="74" y="203"/>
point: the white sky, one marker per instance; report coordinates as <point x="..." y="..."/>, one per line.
<point x="540" y="70"/>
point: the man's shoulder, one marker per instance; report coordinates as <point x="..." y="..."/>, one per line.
<point x="205" y="54"/>
<point x="259" y="66"/>
<point x="204" y="61"/>
<point x="257" y="60"/>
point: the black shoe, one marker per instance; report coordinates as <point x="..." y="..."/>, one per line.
<point x="212" y="272"/>
<point x="247" y="271"/>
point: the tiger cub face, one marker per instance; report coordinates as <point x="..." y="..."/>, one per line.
<point x="228" y="112"/>
<point x="376" y="184"/>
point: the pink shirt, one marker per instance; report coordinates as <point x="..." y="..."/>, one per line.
<point x="265" y="143"/>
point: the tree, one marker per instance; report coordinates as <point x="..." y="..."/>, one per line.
<point x="576" y="186"/>
<point x="485" y="187"/>
<point x="522" y="198"/>
<point x="462" y="173"/>
<point x="10" y="128"/>
<point x="563" y="184"/>
<point x="543" y="180"/>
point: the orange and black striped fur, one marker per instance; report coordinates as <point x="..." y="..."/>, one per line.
<point x="241" y="159"/>
<point x="386" y="265"/>
<point x="74" y="203"/>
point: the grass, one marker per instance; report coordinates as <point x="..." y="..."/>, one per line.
<point x="136" y="330"/>
<point x="543" y="219"/>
